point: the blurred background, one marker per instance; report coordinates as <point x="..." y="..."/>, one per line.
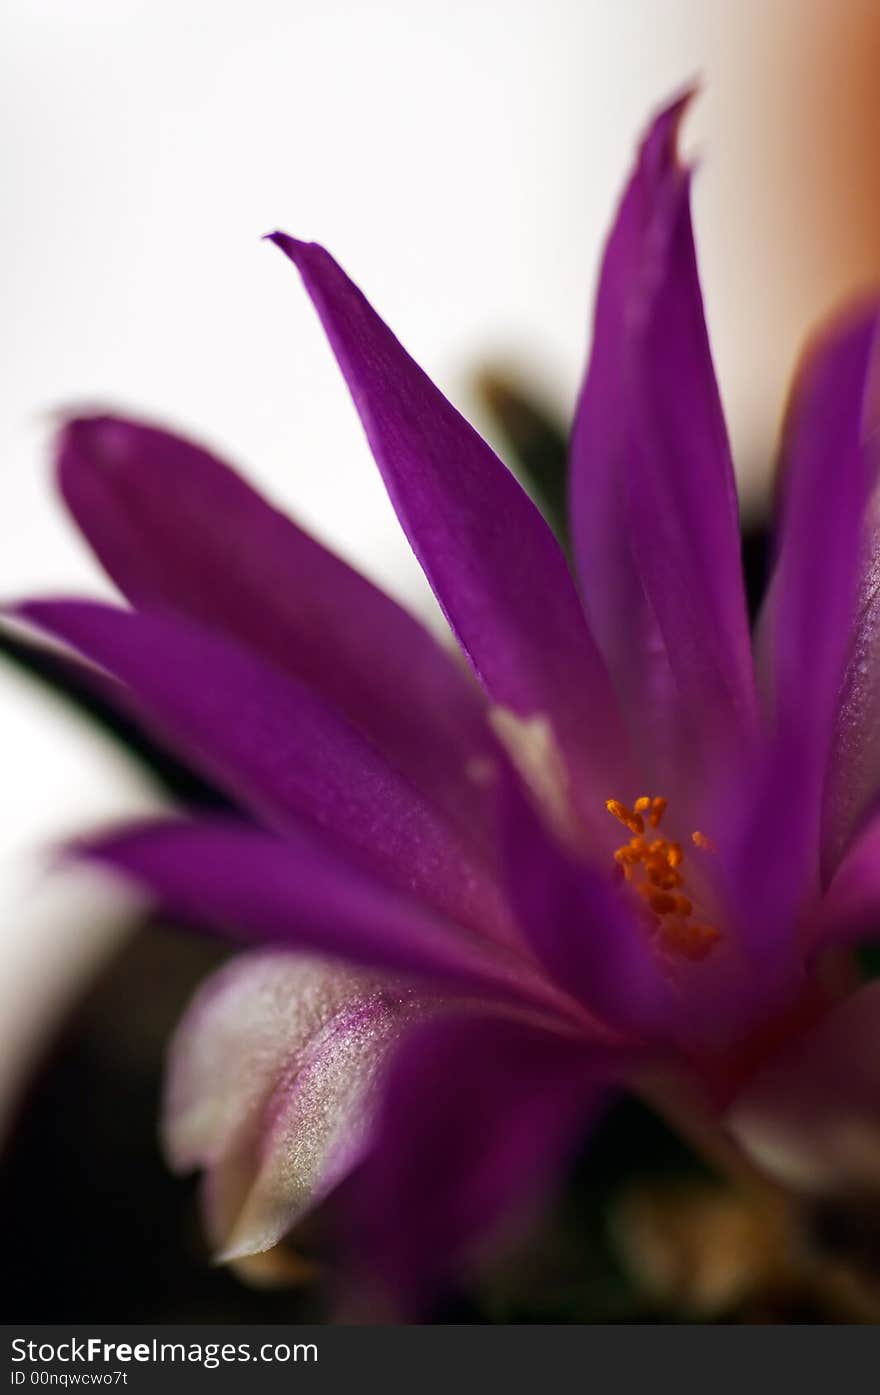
<point x="463" y="162"/>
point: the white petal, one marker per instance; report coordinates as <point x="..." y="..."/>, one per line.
<point x="244" y="1027"/>
<point x="270" y="1088"/>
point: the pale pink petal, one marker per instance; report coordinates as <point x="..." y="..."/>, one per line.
<point x="811" y="1116"/>
<point x="269" y="1086"/>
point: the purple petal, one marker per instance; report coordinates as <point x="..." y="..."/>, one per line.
<point x="854" y="764"/>
<point x="479" y="1117"/>
<point x="298" y="892"/>
<point x="579" y="927"/>
<point x="277" y="747"/>
<point x="178" y="530"/>
<point x="270" y="1086"/>
<point x="807" y="632"/>
<point x="811" y="1116"/>
<point x="653" y="497"/>
<point x="489" y="556"/>
<point x="827" y="483"/>
<point x="850" y="908"/>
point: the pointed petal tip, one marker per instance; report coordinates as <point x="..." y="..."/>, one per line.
<point x="98" y="443"/>
<point x="42" y="611"/>
<point x="295" y="248"/>
<point x="849" y="339"/>
<point x="684" y="95"/>
<point x="251" y="1241"/>
<point x="99" y="848"/>
<point x="91" y="427"/>
<point x="858" y="315"/>
<point x="660" y="138"/>
<point x="318" y="268"/>
<point x="60" y="415"/>
<point x="85" y="437"/>
<point x="36" y="612"/>
<point x="315" y="265"/>
<point x="228" y="1254"/>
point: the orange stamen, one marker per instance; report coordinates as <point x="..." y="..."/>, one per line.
<point x="634" y="822"/>
<point x="653" y="868"/>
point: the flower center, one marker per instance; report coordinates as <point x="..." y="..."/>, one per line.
<point x="653" y="866"/>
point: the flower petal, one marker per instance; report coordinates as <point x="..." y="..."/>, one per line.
<point x="178" y="530"/>
<point x="478" y="1118"/>
<point x="335" y="1089"/>
<point x="489" y="556"/>
<point x="277" y="747"/>
<point x="89" y="691"/>
<point x="853" y="785"/>
<point x="243" y="1026"/>
<point x="850" y="909"/>
<point x="652" y="490"/>
<point x="270" y="1082"/>
<point x="578" y="925"/>
<point x="811" y="1117"/>
<point x="300" y="892"/>
<point x="806" y="633"/>
<point x="827" y="483"/>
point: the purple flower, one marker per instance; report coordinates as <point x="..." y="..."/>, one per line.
<point x="622" y="861"/>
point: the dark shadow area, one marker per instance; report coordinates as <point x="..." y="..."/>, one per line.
<point x="95" y="1227"/>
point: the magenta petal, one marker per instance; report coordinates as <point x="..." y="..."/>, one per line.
<point x="850" y="909"/>
<point x="600" y="457"/>
<point x="811" y="1116"/>
<point x="178" y="530"/>
<point x="277" y="747"/>
<point x="827" y="482"/>
<point x="653" y="498"/>
<point x="479" y="1118"/>
<point x="579" y="926"/>
<point x="807" y="631"/>
<point x="489" y="556"/>
<point x="298" y="892"/>
<point x="853" y="786"/>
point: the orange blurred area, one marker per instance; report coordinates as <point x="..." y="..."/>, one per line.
<point x="789" y="194"/>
